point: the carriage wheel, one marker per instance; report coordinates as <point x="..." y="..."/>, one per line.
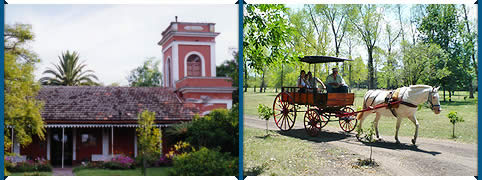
<point x="324" y="118"/>
<point x="348" y="123"/>
<point x="284" y="111"/>
<point x="312" y="122"/>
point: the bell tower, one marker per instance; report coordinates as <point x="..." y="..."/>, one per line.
<point x="189" y="65"/>
<point x="189" y="51"/>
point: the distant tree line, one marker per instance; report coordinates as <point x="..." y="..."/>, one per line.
<point x="390" y="45"/>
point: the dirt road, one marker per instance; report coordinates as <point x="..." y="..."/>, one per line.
<point x="431" y="157"/>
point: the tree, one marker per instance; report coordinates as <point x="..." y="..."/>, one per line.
<point x="470" y="38"/>
<point x="359" y="71"/>
<point x="366" y="21"/>
<point x="148" y="137"/>
<point x="267" y="34"/>
<point x="230" y="69"/>
<point x="337" y="16"/>
<point x="69" y="72"/>
<point x="454" y="118"/>
<point x="21" y="108"/>
<point x="146" y="75"/>
<point x="441" y="26"/>
<point x="425" y="63"/>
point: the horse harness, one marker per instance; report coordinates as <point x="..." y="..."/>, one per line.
<point x="393" y="101"/>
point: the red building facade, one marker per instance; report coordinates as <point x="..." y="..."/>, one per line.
<point x="190" y="65"/>
<point x="96" y="123"/>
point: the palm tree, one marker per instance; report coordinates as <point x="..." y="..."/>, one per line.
<point x="69" y="72"/>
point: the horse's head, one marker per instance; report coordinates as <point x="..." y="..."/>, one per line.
<point x="433" y="99"/>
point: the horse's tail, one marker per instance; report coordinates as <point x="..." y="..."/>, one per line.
<point x="359" y="116"/>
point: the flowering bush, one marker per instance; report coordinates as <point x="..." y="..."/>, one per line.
<point x="179" y="148"/>
<point x="120" y="162"/>
<point x="163" y="161"/>
<point x="39" y="164"/>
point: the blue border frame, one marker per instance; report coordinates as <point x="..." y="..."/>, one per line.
<point x="240" y="87"/>
<point x="479" y="126"/>
<point x="2" y="96"/>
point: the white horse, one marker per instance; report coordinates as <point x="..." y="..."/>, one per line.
<point x="410" y="97"/>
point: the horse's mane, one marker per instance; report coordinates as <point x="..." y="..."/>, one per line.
<point x="420" y="86"/>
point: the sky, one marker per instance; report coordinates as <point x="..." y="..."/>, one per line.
<point x="114" y="39"/>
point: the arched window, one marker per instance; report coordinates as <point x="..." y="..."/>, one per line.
<point x="194" y="65"/>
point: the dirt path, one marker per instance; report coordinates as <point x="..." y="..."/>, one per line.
<point x="431" y="157"/>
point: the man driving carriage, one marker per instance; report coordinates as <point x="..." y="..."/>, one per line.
<point x="335" y="83"/>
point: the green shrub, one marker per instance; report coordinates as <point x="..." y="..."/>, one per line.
<point x="205" y="162"/>
<point x="219" y="128"/>
<point x="29" y="166"/>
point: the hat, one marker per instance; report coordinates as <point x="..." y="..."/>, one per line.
<point x="335" y="69"/>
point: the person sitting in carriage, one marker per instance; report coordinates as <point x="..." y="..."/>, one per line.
<point x="335" y="83"/>
<point x="313" y="83"/>
<point x="301" y="82"/>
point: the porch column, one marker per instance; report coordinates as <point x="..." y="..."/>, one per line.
<point x="112" y="140"/>
<point x="63" y="142"/>
<point x="15" y="145"/>
<point x="105" y="142"/>
<point x="48" y="144"/>
<point x="74" y="136"/>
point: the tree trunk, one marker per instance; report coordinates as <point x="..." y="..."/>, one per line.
<point x="471" y="90"/>
<point x="282" y="76"/>
<point x="371" y="74"/>
<point x="144" y="166"/>
<point x="443" y="86"/>
<point x="453" y="130"/>
<point x="245" y="78"/>
<point x="450" y="96"/>
<point x="262" y="83"/>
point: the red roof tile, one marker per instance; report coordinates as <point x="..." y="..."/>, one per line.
<point x="95" y="103"/>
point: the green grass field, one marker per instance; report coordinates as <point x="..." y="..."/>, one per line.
<point x="31" y="174"/>
<point x="431" y="125"/>
<point x="278" y="155"/>
<point x="157" y="171"/>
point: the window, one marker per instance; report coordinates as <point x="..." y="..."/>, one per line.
<point x="194" y="65"/>
<point x="88" y="139"/>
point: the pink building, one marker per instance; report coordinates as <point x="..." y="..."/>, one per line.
<point x="90" y="123"/>
<point x="190" y="65"/>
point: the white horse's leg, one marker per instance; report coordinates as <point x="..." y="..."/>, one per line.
<point x="415" y="121"/>
<point x="377" y="117"/>
<point x="399" y="120"/>
<point x="360" y="117"/>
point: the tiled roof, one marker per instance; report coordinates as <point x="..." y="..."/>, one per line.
<point x="86" y="104"/>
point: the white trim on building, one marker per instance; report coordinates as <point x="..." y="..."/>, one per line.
<point x="203" y="70"/>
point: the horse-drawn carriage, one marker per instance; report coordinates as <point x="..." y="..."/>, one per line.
<point x="321" y="107"/>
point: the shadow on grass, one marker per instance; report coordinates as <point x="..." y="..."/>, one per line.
<point x="255" y="171"/>
<point x="399" y="146"/>
<point x="323" y="136"/>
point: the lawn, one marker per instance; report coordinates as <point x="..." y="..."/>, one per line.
<point x="30" y="174"/>
<point x="278" y="155"/>
<point x="431" y="125"/>
<point x="297" y="154"/>
<point x="156" y="171"/>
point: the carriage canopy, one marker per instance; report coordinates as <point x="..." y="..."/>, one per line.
<point x="322" y="59"/>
